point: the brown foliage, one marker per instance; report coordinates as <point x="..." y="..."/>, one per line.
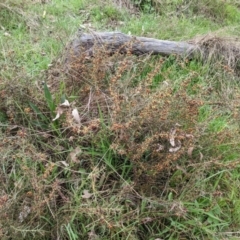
<point x="151" y="126"/>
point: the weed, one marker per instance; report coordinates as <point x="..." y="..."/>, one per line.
<point x="155" y="153"/>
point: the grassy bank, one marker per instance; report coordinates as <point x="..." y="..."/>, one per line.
<point x="152" y="151"/>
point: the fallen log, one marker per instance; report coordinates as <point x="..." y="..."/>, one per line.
<point x="85" y="43"/>
<point x="209" y="48"/>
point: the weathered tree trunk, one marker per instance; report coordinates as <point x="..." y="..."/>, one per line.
<point x="85" y="43"/>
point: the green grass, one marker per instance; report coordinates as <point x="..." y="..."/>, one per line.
<point x="109" y="177"/>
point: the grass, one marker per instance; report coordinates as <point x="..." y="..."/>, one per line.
<point x="118" y="175"/>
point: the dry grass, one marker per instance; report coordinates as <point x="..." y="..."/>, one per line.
<point x="155" y="156"/>
<point x="157" y="123"/>
<point x="215" y="48"/>
<point x="136" y="132"/>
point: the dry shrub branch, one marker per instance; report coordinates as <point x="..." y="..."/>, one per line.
<point x="153" y="127"/>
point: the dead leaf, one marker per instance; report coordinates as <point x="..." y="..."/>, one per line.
<point x="7" y="34"/>
<point x="160" y="148"/>
<point x="166" y="83"/>
<point x="64" y="163"/>
<point x="86" y="194"/>
<point x="147" y="220"/>
<point x="201" y="156"/>
<point x="190" y="150"/>
<point x="175" y="149"/>
<point x="76" y="116"/>
<point x="189" y="136"/>
<point x="60" y="109"/>
<point x="44" y="14"/>
<point x="59" y="113"/>
<point x="172" y="137"/>
<point x="65" y="104"/>
<point x="71" y="138"/>
<point x="74" y="153"/>
<point x="24" y="213"/>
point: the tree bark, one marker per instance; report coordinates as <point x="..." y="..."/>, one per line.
<point x="87" y="43"/>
